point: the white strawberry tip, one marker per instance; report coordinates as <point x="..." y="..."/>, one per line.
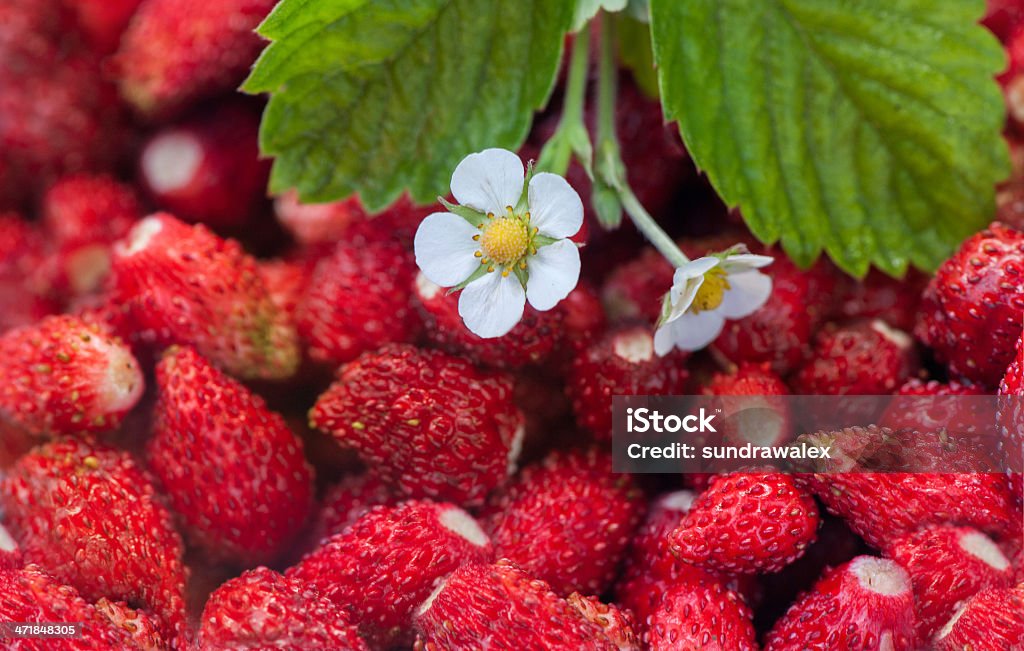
<point x="426" y="289"/>
<point x="7" y="543"/>
<point x="429" y="601"/>
<point x="170" y="161"/>
<point x="463" y="525"/>
<point x="122" y="383"/>
<point x="880" y="576"/>
<point x="140" y="236"/>
<point x="515" y="448"/>
<point x="900" y="339"/>
<point x="87" y="267"/>
<point x="635" y="346"/>
<point x="680" y="501"/>
<point x="948" y="628"/>
<point x="981" y="546"/>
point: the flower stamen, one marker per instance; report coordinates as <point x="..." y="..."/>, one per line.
<point x="712" y="291"/>
<point x="505" y="240"/>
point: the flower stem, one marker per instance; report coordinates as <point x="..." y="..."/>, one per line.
<point x="610" y="166"/>
<point x="571" y="136"/>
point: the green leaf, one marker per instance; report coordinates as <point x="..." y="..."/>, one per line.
<point x="587" y="9"/>
<point x="868" y="128"/>
<point x="377" y="96"/>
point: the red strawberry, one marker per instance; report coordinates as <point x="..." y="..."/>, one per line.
<point x="24" y="290"/>
<point x="140" y="626"/>
<point x="623" y="362"/>
<point x="615" y="623"/>
<point x="635" y="289"/>
<point x="921" y="405"/>
<point x="317" y="223"/>
<point x="1001" y="16"/>
<point x="262" y="610"/>
<point x="531" y="341"/>
<point x="177" y="51"/>
<point x="878" y="296"/>
<point x="102" y="21"/>
<point x="566" y="520"/>
<point x="866" y="604"/>
<point x="358" y="299"/>
<point x="208" y="168"/>
<point x="83" y="215"/>
<point x="346" y="501"/>
<point x="66" y="377"/>
<point x="427" y="423"/>
<point x="10" y="553"/>
<point x="505" y="607"/>
<point x="286" y="282"/>
<point x="186" y="285"/>
<point x="261" y="489"/>
<point x="747" y="523"/>
<point x="383" y="566"/>
<point x="769" y="423"/>
<point x="29" y="595"/>
<point x="972" y="310"/>
<point x="89" y="515"/>
<point x="992" y="619"/>
<point x="583" y="318"/>
<point x="701" y="616"/>
<point x="863" y="358"/>
<point x="781" y="332"/>
<point x="1011" y="418"/>
<point x="946" y="566"/>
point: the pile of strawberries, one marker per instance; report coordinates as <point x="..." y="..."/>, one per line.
<point x="231" y="422"/>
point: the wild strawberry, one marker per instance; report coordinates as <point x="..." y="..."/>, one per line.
<point x="261" y="490"/>
<point x="701" y="615"/>
<point x="208" y="168"/>
<point x="346" y="501"/>
<point x="384" y="565"/>
<point x="140" y="626"/>
<point x="621" y="363"/>
<point x="947" y="565"/>
<point x="427" y="423"/>
<point x="88" y="514"/>
<point x="616" y="624"/>
<point x="10" y="554"/>
<point x="165" y="62"/>
<point x="83" y="215"/>
<point x="286" y="282"/>
<point x="262" y="609"/>
<point x="317" y="223"/>
<point x="634" y="290"/>
<point x="917" y="406"/>
<point x="781" y="332"/>
<point x="1001" y="16"/>
<point x="992" y="619"/>
<point x="531" y="341"/>
<point x="1011" y="417"/>
<point x="66" y="377"/>
<point x="185" y="285"/>
<point x="566" y="520"/>
<point x="972" y="310"/>
<point x="863" y="358"/>
<point x="878" y="296"/>
<point x="29" y="595"/>
<point x="507" y="607"/>
<point x="747" y="523"/>
<point x="583" y="318"/>
<point x="747" y="388"/>
<point x="358" y="299"/>
<point x="102" y="21"/>
<point x="867" y="604"/>
<point x="24" y="291"/>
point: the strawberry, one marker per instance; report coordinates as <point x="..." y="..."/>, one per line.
<point x="919" y="405"/>
<point x="634" y="290"/>
<point x="24" y="290"/>
<point x="866" y="604"/>
<point x="207" y="168"/>
<point x="862" y="358"/>
<point x="83" y="215"/>
<point x="972" y="309"/>
<point x="616" y="624"/>
<point x="103" y="21"/>
<point x="583" y="318"/>
<point x="566" y="520"/>
<point x="236" y="616"/>
<point x="620" y="363"/>
<point x="1011" y="417"/>
<point x="769" y="423"/>
<point x="1001" y="16"/>
<point x="947" y="565"/>
<point x="66" y="377"/>
<point x="385" y="564"/>
<point x="175" y="52"/>
<point x="358" y="299"/>
<point x="286" y="282"/>
<point x="89" y="515"/>
<point x="531" y="341"/>
<point x="251" y="507"/>
<point x="701" y="616"/>
<point x="781" y="332"/>
<point x="878" y="296"/>
<point x="10" y="553"/>
<point x="317" y="223"/>
<point x="747" y="523"/>
<point x="185" y="285"/>
<point x="427" y="423"/>
<point x="346" y="501"/>
<point x="141" y="627"/>
<point x="992" y="619"/>
<point x="506" y="607"/>
<point x="29" y="595"/>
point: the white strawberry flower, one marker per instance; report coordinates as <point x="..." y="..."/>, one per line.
<point x="505" y="243"/>
<point x="707" y="291"/>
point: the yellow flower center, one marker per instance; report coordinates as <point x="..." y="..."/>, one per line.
<point x="712" y="291"/>
<point x="505" y="240"/>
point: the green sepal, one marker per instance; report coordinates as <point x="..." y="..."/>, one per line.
<point x="474" y="217"/>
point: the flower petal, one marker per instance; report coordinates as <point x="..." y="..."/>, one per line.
<point x="746" y="261"/>
<point x="445" y="247"/>
<point x="682" y="296"/>
<point x="746" y="294"/>
<point x="554" y="272"/>
<point x="489" y="180"/>
<point x="695" y="269"/>
<point x="693" y="331"/>
<point x="555" y="208"/>
<point x="492" y="305"/>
